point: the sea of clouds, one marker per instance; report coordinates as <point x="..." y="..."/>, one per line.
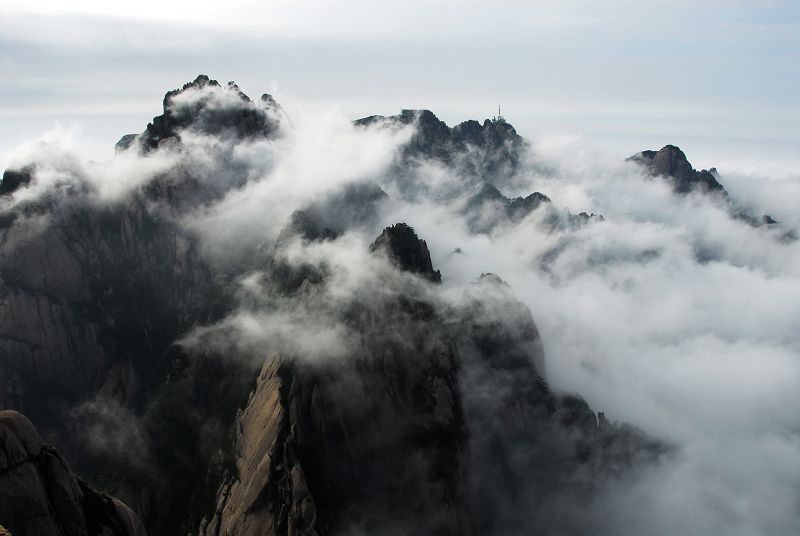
<point x="669" y="314"/>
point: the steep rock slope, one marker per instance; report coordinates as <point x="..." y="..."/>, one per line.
<point x="190" y="108"/>
<point x="670" y="162"/>
<point x="440" y="422"/>
<point x="537" y="459"/>
<point x="39" y="496"/>
<point x="371" y="443"/>
<point x="489" y="149"/>
<point x="90" y="302"/>
<point x="476" y="152"/>
<point x="94" y="296"/>
<point x="486" y="207"/>
<point x="397" y="437"/>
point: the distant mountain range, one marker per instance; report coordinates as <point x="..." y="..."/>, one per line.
<point x="436" y="418"/>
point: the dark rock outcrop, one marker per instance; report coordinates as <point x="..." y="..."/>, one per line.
<point x="529" y="446"/>
<point x="429" y="427"/>
<point x="487" y="207"/>
<point x="93" y="297"/>
<point x="351" y="206"/>
<point x="490" y="150"/>
<point x="13" y="179"/>
<point x="90" y="308"/>
<point x="112" y="287"/>
<point x="206" y="107"/>
<point x="439" y="421"/>
<point x="39" y="495"/>
<point x="401" y="244"/>
<point x="370" y="443"/>
<point x="203" y="110"/>
<point x="671" y="162"/>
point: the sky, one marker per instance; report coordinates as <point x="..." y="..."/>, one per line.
<point x="714" y="77"/>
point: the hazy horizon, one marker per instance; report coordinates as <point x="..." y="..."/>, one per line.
<point x="711" y="77"/>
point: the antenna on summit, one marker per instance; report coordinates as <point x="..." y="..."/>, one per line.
<point x="499" y="118"/>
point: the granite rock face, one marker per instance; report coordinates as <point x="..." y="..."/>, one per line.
<point x="97" y="290"/>
<point x="267" y="494"/>
<point x="490" y="150"/>
<point x="401" y="244"/>
<point x="90" y="307"/>
<point x="486" y="207"/>
<point x="527" y="445"/>
<point x="370" y="443"/>
<point x="671" y="162"/>
<point x="93" y="297"/>
<point x="206" y="107"/>
<point x="39" y="495"/>
<point x="440" y="422"/>
<point x="439" y="419"/>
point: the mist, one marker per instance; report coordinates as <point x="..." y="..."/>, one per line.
<point x="668" y="313"/>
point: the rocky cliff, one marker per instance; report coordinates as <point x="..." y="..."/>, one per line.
<point x="670" y="162"/>
<point x="39" y="495"/>
<point x="436" y="418"/>
<point x="94" y="296"/>
<point x="440" y="422"/>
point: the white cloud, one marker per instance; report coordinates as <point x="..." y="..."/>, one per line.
<point x="670" y="314"/>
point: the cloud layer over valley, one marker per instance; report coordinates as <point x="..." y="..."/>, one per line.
<point x="663" y="310"/>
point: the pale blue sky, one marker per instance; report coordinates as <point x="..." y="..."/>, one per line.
<point x="719" y="78"/>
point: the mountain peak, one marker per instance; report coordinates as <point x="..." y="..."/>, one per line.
<point x="496" y="141"/>
<point x="204" y="105"/>
<point x="671" y="162"/>
<point x="409" y="252"/>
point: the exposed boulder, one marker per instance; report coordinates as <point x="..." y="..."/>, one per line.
<point x="39" y="495"/>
